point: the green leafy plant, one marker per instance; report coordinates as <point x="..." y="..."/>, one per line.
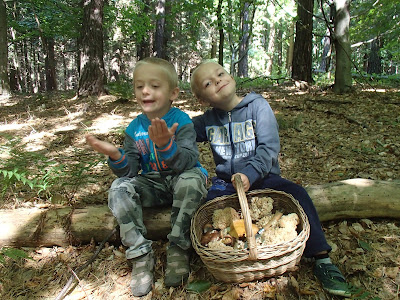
<point x="198" y="286"/>
<point x="12" y="253"/>
<point x="43" y="176"/>
<point x="122" y="88"/>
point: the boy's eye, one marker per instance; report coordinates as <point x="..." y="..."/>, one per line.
<point x="207" y="84"/>
<point x="220" y="74"/>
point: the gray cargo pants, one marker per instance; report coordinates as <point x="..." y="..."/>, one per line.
<point x="127" y="196"/>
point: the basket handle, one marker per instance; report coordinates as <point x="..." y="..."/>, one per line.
<point x="251" y="240"/>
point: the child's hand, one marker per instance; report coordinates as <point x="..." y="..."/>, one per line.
<point x="159" y="132"/>
<point x="245" y="180"/>
<point x="105" y="148"/>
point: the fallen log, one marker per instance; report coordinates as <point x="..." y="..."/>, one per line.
<point x="34" y="227"/>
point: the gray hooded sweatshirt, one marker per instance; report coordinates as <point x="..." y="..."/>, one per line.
<point x="243" y="140"/>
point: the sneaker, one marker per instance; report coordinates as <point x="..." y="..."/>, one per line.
<point x="331" y="279"/>
<point x="178" y="267"/>
<point x="142" y="274"/>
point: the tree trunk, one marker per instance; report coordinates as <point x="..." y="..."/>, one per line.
<point x="243" y="69"/>
<point x="159" y="49"/>
<point x="4" y="80"/>
<point x="374" y="60"/>
<point x="279" y="54"/>
<point x="289" y="54"/>
<point x="302" y="62"/>
<point x="92" y="73"/>
<point x="343" y="80"/>
<point x="143" y="43"/>
<point x="50" y="64"/>
<point x="221" y="34"/>
<point x="271" y="49"/>
<point x="353" y="198"/>
<point x="326" y="53"/>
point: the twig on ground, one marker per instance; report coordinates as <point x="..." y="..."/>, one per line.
<point x="64" y="291"/>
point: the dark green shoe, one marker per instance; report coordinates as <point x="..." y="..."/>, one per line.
<point x="331" y="279"/>
<point x="142" y="274"/>
<point x="178" y="266"/>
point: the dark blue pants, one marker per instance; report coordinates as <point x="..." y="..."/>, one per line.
<point x="317" y="241"/>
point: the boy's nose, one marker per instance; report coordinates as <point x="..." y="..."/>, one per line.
<point x="145" y="89"/>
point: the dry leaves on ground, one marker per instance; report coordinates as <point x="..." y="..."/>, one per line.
<point x="324" y="138"/>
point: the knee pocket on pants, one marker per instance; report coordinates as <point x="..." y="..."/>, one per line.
<point x="192" y="174"/>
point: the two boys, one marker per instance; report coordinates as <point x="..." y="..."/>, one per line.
<point x="243" y="134"/>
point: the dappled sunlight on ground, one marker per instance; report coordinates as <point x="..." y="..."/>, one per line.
<point x="324" y="138"/>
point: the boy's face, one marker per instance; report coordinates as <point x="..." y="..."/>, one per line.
<point x="152" y="90"/>
<point x="215" y="86"/>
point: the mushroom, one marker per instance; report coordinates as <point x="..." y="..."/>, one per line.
<point x="228" y="240"/>
<point x="207" y="228"/>
<point x="207" y="237"/>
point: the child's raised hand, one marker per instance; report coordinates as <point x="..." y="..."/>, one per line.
<point x="245" y="180"/>
<point x="103" y="147"/>
<point x="159" y="132"/>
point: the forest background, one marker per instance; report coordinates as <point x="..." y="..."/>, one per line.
<point x="330" y="71"/>
<point x="92" y="46"/>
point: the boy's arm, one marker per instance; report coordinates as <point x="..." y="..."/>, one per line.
<point x="200" y="129"/>
<point x="129" y="163"/>
<point x="159" y="132"/>
<point x="103" y="147"/>
<point x="181" y="154"/>
<point x="265" y="159"/>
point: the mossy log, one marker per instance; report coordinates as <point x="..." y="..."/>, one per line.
<point x="33" y="227"/>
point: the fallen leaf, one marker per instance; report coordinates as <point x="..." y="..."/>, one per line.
<point x="392" y="272"/>
<point x="198" y="286"/>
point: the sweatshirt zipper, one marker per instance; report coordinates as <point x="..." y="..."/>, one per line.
<point x="231" y="139"/>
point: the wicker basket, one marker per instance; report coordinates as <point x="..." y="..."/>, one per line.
<point x="256" y="262"/>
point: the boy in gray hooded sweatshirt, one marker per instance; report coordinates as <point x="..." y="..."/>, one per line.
<point x="244" y="139"/>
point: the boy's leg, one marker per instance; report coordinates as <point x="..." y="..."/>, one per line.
<point x="125" y="203"/>
<point x="327" y="273"/>
<point x="189" y="191"/>
<point x="317" y="242"/>
<point x="220" y="188"/>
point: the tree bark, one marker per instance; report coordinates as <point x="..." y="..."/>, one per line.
<point x="343" y="80"/>
<point x="50" y="64"/>
<point x="143" y="42"/>
<point x="4" y="80"/>
<point x="290" y="49"/>
<point x="374" y="59"/>
<point x="302" y="62"/>
<point x="246" y="31"/>
<point x="221" y="34"/>
<point x="326" y="53"/>
<point x="159" y="39"/>
<point x="92" y="72"/>
<point x="353" y="198"/>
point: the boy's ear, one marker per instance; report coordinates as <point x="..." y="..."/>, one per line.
<point x="174" y="94"/>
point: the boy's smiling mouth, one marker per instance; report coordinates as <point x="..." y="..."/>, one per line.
<point x="148" y="101"/>
<point x="221" y="87"/>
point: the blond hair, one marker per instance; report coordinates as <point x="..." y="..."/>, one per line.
<point x="165" y="65"/>
<point x="193" y="86"/>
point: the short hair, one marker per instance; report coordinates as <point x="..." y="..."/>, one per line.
<point x="195" y="89"/>
<point x="165" y="65"/>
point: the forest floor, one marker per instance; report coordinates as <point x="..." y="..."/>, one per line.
<point x="324" y="137"/>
